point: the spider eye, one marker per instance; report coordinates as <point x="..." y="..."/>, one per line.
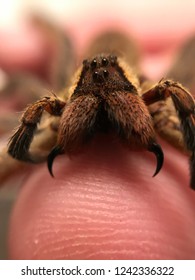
<point x="104" y="61"/>
<point x="94" y="63"/>
<point x="96" y="75"/>
<point x="106" y="73"/>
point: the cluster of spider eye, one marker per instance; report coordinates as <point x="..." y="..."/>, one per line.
<point x="99" y="76"/>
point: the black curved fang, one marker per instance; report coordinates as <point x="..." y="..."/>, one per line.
<point x="157" y="150"/>
<point x="53" y="154"/>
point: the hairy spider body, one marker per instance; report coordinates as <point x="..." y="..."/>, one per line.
<point x="106" y="95"/>
<point x="102" y="100"/>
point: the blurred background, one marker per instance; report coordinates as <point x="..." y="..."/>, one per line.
<point x="159" y="28"/>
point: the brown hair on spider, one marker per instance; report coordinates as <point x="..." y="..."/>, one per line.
<point x="107" y="96"/>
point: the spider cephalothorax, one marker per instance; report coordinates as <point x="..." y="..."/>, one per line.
<point x="106" y="96"/>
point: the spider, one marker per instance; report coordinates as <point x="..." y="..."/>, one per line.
<point x="107" y="95"/>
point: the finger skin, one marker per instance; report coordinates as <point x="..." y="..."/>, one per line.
<point x="104" y="204"/>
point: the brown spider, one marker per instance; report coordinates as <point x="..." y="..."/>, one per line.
<point x="107" y="95"/>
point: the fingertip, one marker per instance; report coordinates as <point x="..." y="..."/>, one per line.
<point x="103" y="207"/>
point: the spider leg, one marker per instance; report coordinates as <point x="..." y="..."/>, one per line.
<point x="77" y="126"/>
<point x="25" y="87"/>
<point x="185" y="106"/>
<point x="45" y="139"/>
<point x="183" y="68"/>
<point x="131" y="119"/>
<point x="15" y="93"/>
<point x="20" y="89"/>
<point x="19" y="143"/>
<point x="62" y="56"/>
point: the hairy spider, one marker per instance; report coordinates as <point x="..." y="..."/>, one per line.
<point x="103" y="98"/>
<point x="107" y="96"/>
